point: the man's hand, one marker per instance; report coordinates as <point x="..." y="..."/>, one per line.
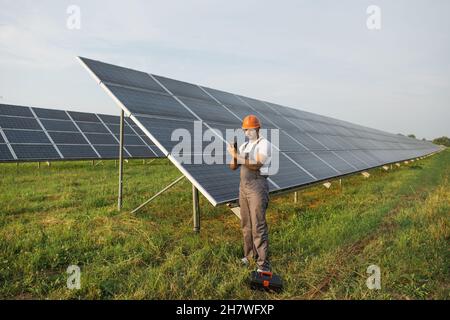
<point x="232" y="151"/>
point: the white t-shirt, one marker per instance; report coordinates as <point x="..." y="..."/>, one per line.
<point x="263" y="148"/>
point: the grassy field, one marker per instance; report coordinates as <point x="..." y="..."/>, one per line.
<point x="65" y="214"/>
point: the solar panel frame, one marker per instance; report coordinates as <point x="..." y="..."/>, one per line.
<point x="307" y="124"/>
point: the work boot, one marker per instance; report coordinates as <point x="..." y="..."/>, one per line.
<point x="245" y="261"/>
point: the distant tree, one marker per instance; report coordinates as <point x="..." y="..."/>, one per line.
<point x="423" y="139"/>
<point x="399" y="134"/>
<point x="411" y="136"/>
<point x="445" y="141"/>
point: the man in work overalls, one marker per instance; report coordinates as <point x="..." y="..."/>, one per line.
<point x="253" y="157"/>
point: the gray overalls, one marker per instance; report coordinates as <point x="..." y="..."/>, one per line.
<point x="253" y="201"/>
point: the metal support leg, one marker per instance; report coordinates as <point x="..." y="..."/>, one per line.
<point x="295" y="197"/>
<point x="159" y="193"/>
<point x="119" y="200"/>
<point x="195" y="209"/>
<point x="39" y="165"/>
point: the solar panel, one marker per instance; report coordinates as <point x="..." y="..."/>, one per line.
<point x="312" y="147"/>
<point x="77" y="151"/>
<point x="18" y="123"/>
<point x="57" y="125"/>
<point x="26" y="136"/>
<point x="11" y="110"/>
<point x="109" y="152"/>
<point x="139" y="151"/>
<point x="35" y="151"/>
<point x="5" y="154"/>
<point x="115" y="129"/>
<point x="67" y="138"/>
<point x="83" y="116"/>
<point x="37" y="134"/>
<point x="100" y="138"/>
<point x="51" y="114"/>
<point x="92" y="127"/>
<point x="140" y="102"/>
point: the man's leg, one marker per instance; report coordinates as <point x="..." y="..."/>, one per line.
<point x="246" y="225"/>
<point x="258" y="201"/>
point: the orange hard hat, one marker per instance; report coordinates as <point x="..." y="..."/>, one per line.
<point x="251" y="122"/>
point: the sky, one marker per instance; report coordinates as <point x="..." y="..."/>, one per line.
<point x="317" y="56"/>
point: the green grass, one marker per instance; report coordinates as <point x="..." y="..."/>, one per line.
<point x="66" y="214"/>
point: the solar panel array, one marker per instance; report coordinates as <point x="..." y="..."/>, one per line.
<point x="312" y="147"/>
<point x="36" y="134"/>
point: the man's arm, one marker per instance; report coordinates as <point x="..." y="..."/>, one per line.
<point x="237" y="160"/>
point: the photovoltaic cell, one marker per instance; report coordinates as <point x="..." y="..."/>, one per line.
<point x="90" y="127"/>
<point x="51" y="114"/>
<point x="289" y="174"/>
<point x="10" y="110"/>
<point x="337" y="163"/>
<point x="210" y="111"/>
<point x="350" y="158"/>
<point x="169" y="132"/>
<point x="19" y="123"/>
<point x="26" y="136"/>
<point x="123" y="76"/>
<point x="101" y="139"/>
<point x="108" y="152"/>
<point x="35" y="152"/>
<point x="208" y="176"/>
<point x="109" y="119"/>
<point x="183" y="89"/>
<point x="313" y="165"/>
<point x="59" y="125"/>
<point x="142" y="102"/>
<point x="225" y="98"/>
<point x="132" y="140"/>
<point x="67" y="138"/>
<point x="77" y="152"/>
<point x="83" y="116"/>
<point x="115" y="129"/>
<point x="5" y="154"/>
<point x="139" y="151"/>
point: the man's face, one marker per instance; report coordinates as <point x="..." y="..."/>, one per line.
<point x="251" y="134"/>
